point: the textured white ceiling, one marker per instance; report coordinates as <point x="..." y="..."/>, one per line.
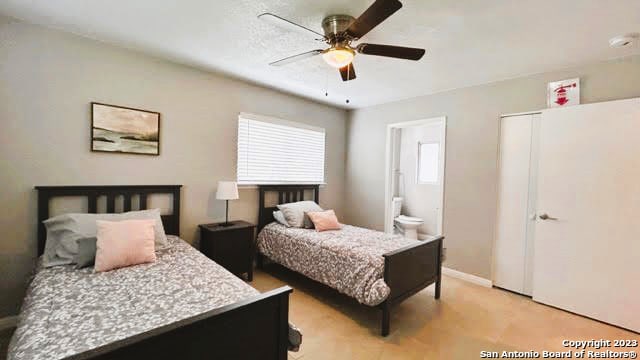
<point x="468" y="42"/>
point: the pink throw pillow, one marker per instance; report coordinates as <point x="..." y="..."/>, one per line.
<point x="124" y="243"/>
<point x="324" y="220"/>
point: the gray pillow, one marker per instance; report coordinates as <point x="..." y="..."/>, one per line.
<point x="64" y="231"/>
<point x="61" y="245"/>
<point x="279" y="217"/>
<point x="294" y="213"/>
<point x="86" y="255"/>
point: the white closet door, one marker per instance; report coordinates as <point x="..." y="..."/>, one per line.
<point x="513" y="250"/>
<point x="588" y="260"/>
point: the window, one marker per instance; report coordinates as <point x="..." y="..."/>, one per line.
<point x="428" y="163"/>
<point x="273" y="151"/>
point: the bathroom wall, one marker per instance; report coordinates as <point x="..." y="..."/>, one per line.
<point x="419" y="200"/>
<point x="397" y="142"/>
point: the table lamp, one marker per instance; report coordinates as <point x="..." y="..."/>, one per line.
<point x="227" y="190"/>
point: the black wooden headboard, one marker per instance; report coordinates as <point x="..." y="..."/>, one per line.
<point x="171" y="222"/>
<point x="286" y="194"/>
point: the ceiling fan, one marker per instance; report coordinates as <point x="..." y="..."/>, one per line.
<point x="340" y="31"/>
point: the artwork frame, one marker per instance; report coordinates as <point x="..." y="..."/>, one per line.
<point x="124" y="130"/>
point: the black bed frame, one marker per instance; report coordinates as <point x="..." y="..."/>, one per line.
<point x="406" y="271"/>
<point x="255" y="328"/>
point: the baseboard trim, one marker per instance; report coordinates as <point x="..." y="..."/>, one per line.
<point x="467" y="277"/>
<point x="8" y="322"/>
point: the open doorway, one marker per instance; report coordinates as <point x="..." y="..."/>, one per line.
<point x="414" y="188"/>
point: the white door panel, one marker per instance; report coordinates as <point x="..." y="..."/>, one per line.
<point x="588" y="260"/>
<point x="532" y="206"/>
<point x="512" y="251"/>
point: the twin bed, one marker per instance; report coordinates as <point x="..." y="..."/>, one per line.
<point x="189" y="307"/>
<point x="183" y="306"/>
<point x="375" y="268"/>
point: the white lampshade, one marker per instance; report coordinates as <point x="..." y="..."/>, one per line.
<point x="227" y="190"/>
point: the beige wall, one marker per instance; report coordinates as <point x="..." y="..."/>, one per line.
<point x="48" y="79"/>
<point x="471" y="155"/>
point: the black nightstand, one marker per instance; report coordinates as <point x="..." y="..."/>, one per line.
<point x="230" y="246"/>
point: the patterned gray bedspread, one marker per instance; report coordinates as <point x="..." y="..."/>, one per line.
<point x="348" y="260"/>
<point x="68" y="311"/>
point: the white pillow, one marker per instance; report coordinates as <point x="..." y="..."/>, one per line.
<point x="279" y="217"/>
<point x="64" y="231"/>
<point x="294" y="213"/>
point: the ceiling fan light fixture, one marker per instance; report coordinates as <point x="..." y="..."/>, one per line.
<point x="338" y="57"/>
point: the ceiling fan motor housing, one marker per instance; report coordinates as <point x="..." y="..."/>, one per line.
<point x="334" y="26"/>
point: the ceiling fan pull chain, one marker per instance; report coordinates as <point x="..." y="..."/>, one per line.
<point x="326" y="84"/>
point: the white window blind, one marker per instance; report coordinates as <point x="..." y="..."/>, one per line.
<point x="273" y="151"/>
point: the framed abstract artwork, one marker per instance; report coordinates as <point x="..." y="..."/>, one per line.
<point x="120" y="129"/>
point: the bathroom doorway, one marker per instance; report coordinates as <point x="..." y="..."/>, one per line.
<point x="415" y="167"/>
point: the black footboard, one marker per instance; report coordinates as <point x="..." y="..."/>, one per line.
<point x="409" y="270"/>
<point x="255" y="328"/>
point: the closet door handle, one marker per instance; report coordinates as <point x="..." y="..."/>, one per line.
<point x="547" y="217"/>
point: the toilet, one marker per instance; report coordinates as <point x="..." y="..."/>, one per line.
<point x="407" y="225"/>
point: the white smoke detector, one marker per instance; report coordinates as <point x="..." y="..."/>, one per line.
<point x="621" y="41"/>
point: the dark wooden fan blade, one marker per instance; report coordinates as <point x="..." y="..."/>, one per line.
<point x="290" y="59"/>
<point x="378" y="12"/>
<point x="399" y="52"/>
<point x="348" y="72"/>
